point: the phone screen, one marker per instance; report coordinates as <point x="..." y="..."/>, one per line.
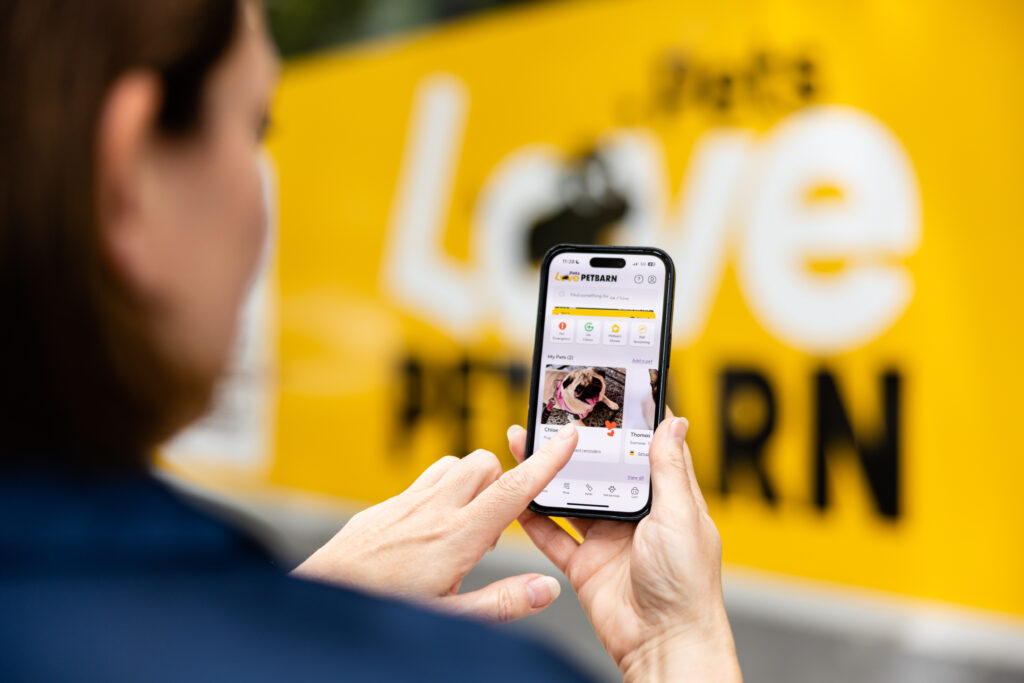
<point x="599" y="368"/>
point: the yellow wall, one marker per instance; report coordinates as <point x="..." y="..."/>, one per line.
<point x="945" y="82"/>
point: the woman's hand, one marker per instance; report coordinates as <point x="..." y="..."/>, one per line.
<point x="420" y="544"/>
<point x="652" y="590"/>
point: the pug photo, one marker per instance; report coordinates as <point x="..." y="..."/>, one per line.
<point x="586" y="396"/>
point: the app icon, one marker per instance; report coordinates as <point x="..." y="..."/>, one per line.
<point x="638" y="279"/>
<point x="614" y="334"/>
<point x="652" y="279"/>
<point x="562" y="330"/>
<point x="589" y="332"/>
<point x="635" y="491"/>
<point x="642" y="334"/>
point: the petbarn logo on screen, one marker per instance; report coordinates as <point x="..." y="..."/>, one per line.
<point x="599" y="277"/>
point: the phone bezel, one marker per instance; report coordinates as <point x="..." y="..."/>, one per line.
<point x="663" y="365"/>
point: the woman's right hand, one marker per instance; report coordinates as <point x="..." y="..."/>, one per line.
<point x="420" y="544"/>
<point x="652" y="590"/>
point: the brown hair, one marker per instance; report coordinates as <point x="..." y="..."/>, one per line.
<point x="81" y="381"/>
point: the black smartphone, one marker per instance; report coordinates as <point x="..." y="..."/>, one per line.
<point x="600" y="360"/>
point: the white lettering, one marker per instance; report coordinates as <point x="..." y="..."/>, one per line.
<point x="877" y="216"/>
<point x="762" y="187"/>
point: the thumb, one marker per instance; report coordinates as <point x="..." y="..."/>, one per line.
<point x="505" y="600"/>
<point x="670" y="481"/>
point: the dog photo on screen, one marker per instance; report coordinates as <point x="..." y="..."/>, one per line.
<point x="586" y="396"/>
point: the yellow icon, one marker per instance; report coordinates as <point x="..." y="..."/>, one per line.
<point x="642" y="329"/>
<point x="615" y="328"/>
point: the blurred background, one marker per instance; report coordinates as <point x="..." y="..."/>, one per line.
<point x="839" y="185"/>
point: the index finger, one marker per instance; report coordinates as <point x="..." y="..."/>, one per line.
<point x="517" y="444"/>
<point x="504" y="500"/>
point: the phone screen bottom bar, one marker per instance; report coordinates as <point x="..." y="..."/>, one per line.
<point x="588" y="505"/>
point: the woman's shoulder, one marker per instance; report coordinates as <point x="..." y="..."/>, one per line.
<point x="128" y="582"/>
<point x="420" y="643"/>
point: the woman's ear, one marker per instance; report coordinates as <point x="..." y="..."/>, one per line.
<point x="125" y="140"/>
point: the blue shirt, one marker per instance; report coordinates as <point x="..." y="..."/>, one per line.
<point x="118" y="579"/>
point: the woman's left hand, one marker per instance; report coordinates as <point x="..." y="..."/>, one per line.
<point x="420" y="544"/>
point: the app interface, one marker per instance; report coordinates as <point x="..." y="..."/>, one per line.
<point x="599" y="370"/>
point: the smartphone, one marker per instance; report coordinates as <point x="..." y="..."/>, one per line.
<point x="600" y="360"/>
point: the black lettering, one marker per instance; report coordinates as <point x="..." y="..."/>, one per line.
<point x="461" y="407"/>
<point x="443" y="393"/>
<point x="410" y="402"/>
<point x="744" y="447"/>
<point x="878" y="457"/>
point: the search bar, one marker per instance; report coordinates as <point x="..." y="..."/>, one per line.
<point x="602" y="312"/>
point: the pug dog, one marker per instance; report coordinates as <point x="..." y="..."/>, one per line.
<point x="576" y="392"/>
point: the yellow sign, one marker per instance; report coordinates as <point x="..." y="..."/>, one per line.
<point x="837" y="183"/>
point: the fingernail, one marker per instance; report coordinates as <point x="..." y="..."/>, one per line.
<point x="679" y="427"/>
<point x="542" y="591"/>
<point x="514" y="429"/>
<point x="566" y="432"/>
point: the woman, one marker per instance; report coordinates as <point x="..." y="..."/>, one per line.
<point x="130" y="224"/>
